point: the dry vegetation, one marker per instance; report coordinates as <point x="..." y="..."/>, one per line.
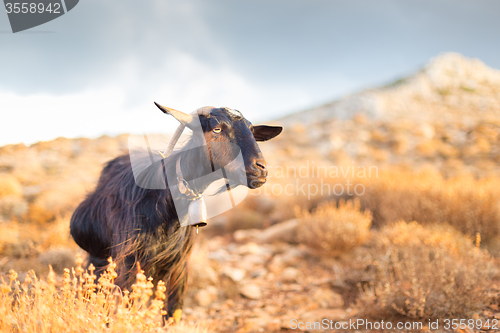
<point x="246" y="277"/>
<point x="426" y="272"/>
<point x="83" y="304"/>
<point x="335" y="230"/>
<point x="468" y="204"/>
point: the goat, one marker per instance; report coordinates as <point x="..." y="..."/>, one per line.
<point x="136" y="225"/>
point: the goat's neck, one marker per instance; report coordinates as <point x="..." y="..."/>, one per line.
<point x="197" y="169"/>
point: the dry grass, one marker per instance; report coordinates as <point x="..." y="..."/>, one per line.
<point x="10" y="186"/>
<point x="25" y="246"/>
<point x="335" y="230"/>
<point x="425" y="272"/>
<point x="83" y="304"/>
<point x="468" y="204"/>
<point x="12" y="203"/>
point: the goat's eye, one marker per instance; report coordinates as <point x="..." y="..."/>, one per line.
<point x="217" y="130"/>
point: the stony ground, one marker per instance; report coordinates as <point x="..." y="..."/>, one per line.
<point x="261" y="287"/>
<point x="245" y="282"/>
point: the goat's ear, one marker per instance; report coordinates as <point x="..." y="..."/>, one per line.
<point x="264" y="132"/>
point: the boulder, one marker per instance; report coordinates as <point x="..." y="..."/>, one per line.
<point x="281" y="232"/>
<point x="251" y="291"/>
<point x="291" y="274"/>
<point x="206" y="296"/>
<point x="235" y="274"/>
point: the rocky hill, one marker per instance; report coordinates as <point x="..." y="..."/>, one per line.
<point x="447" y="115"/>
<point x="449" y="87"/>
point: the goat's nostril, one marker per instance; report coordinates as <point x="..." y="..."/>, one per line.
<point x="260" y="165"/>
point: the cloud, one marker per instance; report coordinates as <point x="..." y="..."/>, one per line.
<point x="180" y="81"/>
<point x="113" y="58"/>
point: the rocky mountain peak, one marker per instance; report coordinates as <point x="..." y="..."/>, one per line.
<point x="451" y="87"/>
<point x="451" y="70"/>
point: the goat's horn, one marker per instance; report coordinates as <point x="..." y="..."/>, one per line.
<point x="182" y="117"/>
<point x="173" y="140"/>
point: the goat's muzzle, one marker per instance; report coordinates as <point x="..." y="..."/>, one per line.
<point x="257" y="175"/>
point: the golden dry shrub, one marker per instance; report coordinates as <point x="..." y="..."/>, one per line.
<point x="334" y="230"/>
<point x="12" y="203"/>
<point x="9" y="237"/>
<point x="10" y="186"/>
<point x="468" y="204"/>
<point x="422" y="272"/>
<point x="61" y="198"/>
<point x="81" y="303"/>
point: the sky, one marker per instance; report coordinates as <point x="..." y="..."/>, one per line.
<point x="97" y="69"/>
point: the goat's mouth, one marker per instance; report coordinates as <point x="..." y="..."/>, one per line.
<point x="256" y="181"/>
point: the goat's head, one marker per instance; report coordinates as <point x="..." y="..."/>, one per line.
<point x="227" y="133"/>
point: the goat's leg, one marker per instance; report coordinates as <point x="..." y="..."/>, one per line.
<point x="99" y="264"/>
<point x="176" y="289"/>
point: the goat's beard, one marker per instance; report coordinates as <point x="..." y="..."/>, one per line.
<point x="230" y="185"/>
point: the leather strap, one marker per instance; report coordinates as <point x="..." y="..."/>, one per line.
<point x="183" y="184"/>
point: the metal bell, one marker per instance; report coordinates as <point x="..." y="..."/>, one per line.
<point x="197" y="213"/>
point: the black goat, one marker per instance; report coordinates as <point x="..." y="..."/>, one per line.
<point x="133" y="224"/>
